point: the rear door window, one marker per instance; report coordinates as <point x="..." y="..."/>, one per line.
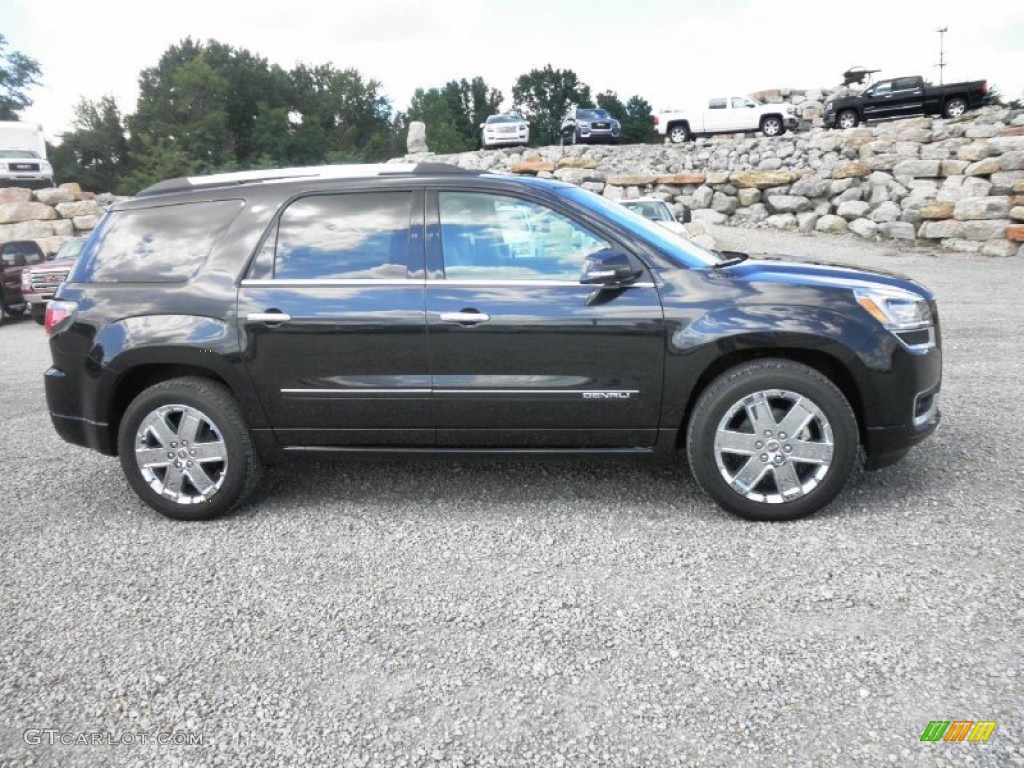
<point x="344" y="236"/>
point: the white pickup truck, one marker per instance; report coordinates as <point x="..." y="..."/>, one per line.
<point x="727" y="114"/>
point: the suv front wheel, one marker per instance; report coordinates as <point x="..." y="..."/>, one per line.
<point x="186" y="451"/>
<point x="772" y="440"/>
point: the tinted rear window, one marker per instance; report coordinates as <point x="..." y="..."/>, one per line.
<point x="345" y="236"/>
<point x="166" y="244"/>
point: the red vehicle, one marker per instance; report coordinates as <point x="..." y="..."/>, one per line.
<point x="15" y="255"/>
<point x="40" y="281"/>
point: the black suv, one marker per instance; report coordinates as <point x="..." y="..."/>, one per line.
<point x="215" y="324"/>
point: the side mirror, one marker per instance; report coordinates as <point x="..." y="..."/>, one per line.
<point x="685" y="217"/>
<point x="610" y="267"/>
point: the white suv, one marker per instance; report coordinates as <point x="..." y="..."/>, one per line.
<point x="505" y="130"/>
<point x="727" y="114"/>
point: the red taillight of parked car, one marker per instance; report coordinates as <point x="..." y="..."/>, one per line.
<point x="59" y="315"/>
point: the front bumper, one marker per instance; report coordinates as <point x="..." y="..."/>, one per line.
<point x="791" y="122"/>
<point x="506" y="139"/>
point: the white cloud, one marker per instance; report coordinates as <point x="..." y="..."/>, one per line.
<point x="669" y="51"/>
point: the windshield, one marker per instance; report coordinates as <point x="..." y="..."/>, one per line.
<point x="20" y="154"/>
<point x="70" y="249"/>
<point x="592" y="114"/>
<point x="504" y="119"/>
<point x="655" y="210"/>
<point x="674" y="246"/>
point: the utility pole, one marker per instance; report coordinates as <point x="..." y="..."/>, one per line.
<point x="942" y="54"/>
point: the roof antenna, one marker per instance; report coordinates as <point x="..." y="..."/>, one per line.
<point x="942" y="54"/>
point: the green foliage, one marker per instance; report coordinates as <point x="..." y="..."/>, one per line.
<point x="543" y="96"/>
<point x="453" y="113"/>
<point x="995" y="98"/>
<point x="95" y="152"/>
<point x="18" y="73"/>
<point x="634" y="115"/>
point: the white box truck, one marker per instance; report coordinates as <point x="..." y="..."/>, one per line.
<point x="23" y="160"/>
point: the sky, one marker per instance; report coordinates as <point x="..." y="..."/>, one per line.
<point x="671" y="52"/>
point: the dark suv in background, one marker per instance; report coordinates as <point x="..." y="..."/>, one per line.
<point x="15" y="257"/>
<point x="588" y="125"/>
<point x="214" y="324"/>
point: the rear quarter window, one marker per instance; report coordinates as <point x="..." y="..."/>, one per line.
<point x="165" y="244"/>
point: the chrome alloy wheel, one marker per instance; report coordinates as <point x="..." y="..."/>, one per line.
<point x="773" y="446"/>
<point x="181" y="454"/>
<point x="848" y="120"/>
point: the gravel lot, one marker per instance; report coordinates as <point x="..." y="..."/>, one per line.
<point x="530" y="614"/>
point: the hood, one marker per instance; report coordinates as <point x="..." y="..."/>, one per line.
<point x="55" y="265"/>
<point x="780" y="270"/>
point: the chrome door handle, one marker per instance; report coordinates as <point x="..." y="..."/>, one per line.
<point x="268" y="317"/>
<point x="467" y="318"/>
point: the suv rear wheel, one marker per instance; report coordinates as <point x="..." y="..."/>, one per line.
<point x="772" y="440"/>
<point x="186" y="450"/>
<point x="678" y="133"/>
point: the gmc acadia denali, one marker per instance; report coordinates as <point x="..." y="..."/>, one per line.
<point x="215" y="324"/>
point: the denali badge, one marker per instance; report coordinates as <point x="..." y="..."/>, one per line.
<point x="607" y="395"/>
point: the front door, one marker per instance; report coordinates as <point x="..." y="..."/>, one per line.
<point x="522" y="354"/>
<point x="333" y="322"/>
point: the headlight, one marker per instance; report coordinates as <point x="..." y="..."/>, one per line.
<point x="906" y="314"/>
<point x="897" y="310"/>
<point x="829" y="106"/>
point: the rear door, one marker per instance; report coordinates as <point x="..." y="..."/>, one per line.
<point x="907" y="96"/>
<point x="333" y="321"/>
<point x="717" y="115"/>
<point x="522" y="354"/>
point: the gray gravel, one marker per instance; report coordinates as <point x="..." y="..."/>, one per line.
<point x="525" y="613"/>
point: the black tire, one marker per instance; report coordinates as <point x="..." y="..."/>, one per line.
<point x="39" y="313"/>
<point x="849" y="117"/>
<point x="955" y="107"/>
<point x="721" y="412"/>
<point x="772" y="126"/>
<point x="575" y="138"/>
<point x="678" y="133"/>
<point x="233" y="479"/>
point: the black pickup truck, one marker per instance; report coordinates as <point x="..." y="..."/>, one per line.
<point x="903" y="97"/>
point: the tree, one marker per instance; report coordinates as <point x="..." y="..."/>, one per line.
<point x="634" y="115"/>
<point x="543" y="96"/>
<point x="95" y="152"/>
<point x="453" y="113"/>
<point x="18" y="73"/>
<point x="350" y="110"/>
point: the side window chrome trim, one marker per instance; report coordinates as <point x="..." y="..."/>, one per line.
<point x="526" y="282"/>
<point x="297" y="281"/>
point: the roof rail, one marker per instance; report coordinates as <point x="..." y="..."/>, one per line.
<point x="351" y="171"/>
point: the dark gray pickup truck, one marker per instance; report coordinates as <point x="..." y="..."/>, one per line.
<point x="903" y="97"/>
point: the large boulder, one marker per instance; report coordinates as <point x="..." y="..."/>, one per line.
<point x="982" y="208"/>
<point x="703" y="196"/>
<point x="416" y="141"/>
<point x="940" y="209"/>
<point x="709" y="216"/>
<point x="851" y="171"/>
<point x="724" y="203"/>
<point x="782" y="221"/>
<point x="832" y="224"/>
<point x="761" y="179"/>
<point x="897" y="230"/>
<point x="54" y="196"/>
<point x="886" y="212"/>
<point x="12" y="213"/>
<point x="15" y="195"/>
<point x="853" y="209"/>
<point x="789" y="203"/>
<point x="863" y="227"/>
<point x="917" y="168"/>
<point x="80" y="208"/>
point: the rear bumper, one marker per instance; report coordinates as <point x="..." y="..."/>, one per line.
<point x="791" y="123"/>
<point x="62" y="398"/>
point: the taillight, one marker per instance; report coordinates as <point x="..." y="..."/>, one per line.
<point x="59" y="315"/>
<point x="654" y="119"/>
